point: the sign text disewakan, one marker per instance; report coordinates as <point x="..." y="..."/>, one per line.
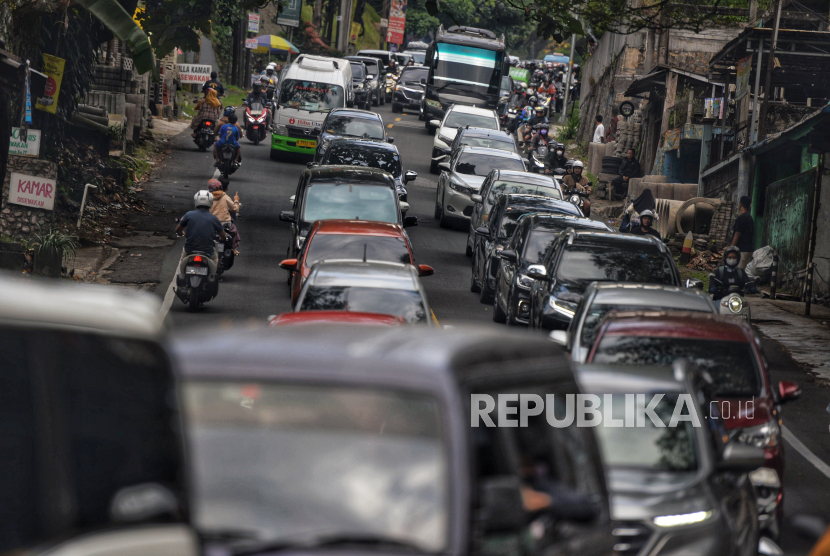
<point x="25" y="146"/>
<point x="32" y="191"/>
<point x="194" y="73"/>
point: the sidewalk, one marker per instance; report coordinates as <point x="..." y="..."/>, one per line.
<point x="807" y="339"/>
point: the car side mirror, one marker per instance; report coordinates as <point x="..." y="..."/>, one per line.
<point x="502" y="508"/>
<point x="741" y="457"/>
<point x="444" y="166"/>
<point x="142" y="502"/>
<point x="291" y="199"/>
<point x="537" y="272"/>
<point x="425" y="270"/>
<point x="410" y="176"/>
<point x="311" y="164"/>
<point x="287" y="216"/>
<point x="476" y="198"/>
<point x="788" y="390"/>
<point x="508" y="255"/>
<point x="404" y="206"/>
<point x="316" y="131"/>
<point x="390" y="139"/>
<point x="435" y="123"/>
<point x="694" y="283"/>
<point x="483" y="231"/>
<point x="410" y="221"/>
<point x="289" y="264"/>
<point x="559" y="337"/>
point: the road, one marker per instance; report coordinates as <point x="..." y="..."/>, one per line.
<point x="256" y="287"/>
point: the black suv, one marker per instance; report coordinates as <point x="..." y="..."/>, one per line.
<point x="350" y="123"/>
<point x="360" y="84"/>
<point x="531" y="240"/>
<point x="578" y="258"/>
<point x="376" y="78"/>
<point x="410" y="89"/>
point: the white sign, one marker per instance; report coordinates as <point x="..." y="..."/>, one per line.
<point x="250" y="43"/>
<point x="384" y="23"/>
<point x="253" y="23"/>
<point x="29" y="146"/>
<point x="32" y="191"/>
<point x="194" y="73"/>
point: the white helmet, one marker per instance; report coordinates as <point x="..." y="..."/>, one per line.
<point x="578" y="164"/>
<point x="647" y="213"/>
<point x="203" y="198"/>
<point x="272" y="65"/>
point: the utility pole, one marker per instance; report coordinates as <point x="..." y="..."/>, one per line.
<point x="762" y="120"/>
<point x="384" y="30"/>
<point x="564" y="116"/>
<point x="753" y="11"/>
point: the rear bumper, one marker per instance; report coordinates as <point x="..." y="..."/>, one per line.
<point x="289" y="144"/>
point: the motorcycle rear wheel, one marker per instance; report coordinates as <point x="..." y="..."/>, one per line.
<point x="193" y="300"/>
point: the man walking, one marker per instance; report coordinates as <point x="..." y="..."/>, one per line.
<point x="599" y="132"/>
<point x="743" y="233"/>
<point x="629" y="168"/>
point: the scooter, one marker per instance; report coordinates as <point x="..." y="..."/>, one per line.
<point x="539" y="158"/>
<point x="733" y="303"/>
<point x="225" y="250"/>
<point x="205" y="135"/>
<point x="227" y="163"/>
<point x="391" y="81"/>
<point x="197" y="281"/>
<point x="256" y="123"/>
<point x="578" y="197"/>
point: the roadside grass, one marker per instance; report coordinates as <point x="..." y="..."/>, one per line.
<point x="686" y="273"/>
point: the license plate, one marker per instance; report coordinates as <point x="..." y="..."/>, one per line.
<point x="301" y="143"/>
<point x="200" y="270"/>
<point x="220" y="247"/>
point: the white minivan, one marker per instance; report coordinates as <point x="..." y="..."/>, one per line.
<point x="309" y="89"/>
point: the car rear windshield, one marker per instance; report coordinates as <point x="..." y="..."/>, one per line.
<point x="311" y="95"/>
<point x="503" y="143"/>
<point x="350" y="154"/>
<point x="419" y="57"/>
<point x="597" y="312"/>
<point x="346" y="246"/>
<point x="401" y="303"/>
<point x="355" y="127"/>
<point x="325" y="201"/>
<point x="463" y="119"/>
<point x="481" y="165"/>
<point x="648" y="447"/>
<point x="500" y="188"/>
<point x="615" y="262"/>
<point x="275" y="461"/>
<point x="730" y="364"/>
<point x="357" y="71"/>
<point x="413" y="76"/>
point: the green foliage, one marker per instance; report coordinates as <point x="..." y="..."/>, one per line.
<point x="568" y="131"/>
<point x="55" y="240"/>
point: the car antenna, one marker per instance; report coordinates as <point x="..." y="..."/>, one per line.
<point x="364" y="252"/>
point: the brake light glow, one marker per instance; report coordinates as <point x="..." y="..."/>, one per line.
<point x="197" y="259"/>
<point x="208" y="123"/>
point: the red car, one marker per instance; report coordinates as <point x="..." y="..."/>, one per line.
<point x="729" y="351"/>
<point x="352" y="240"/>
<point x="343" y="317"/>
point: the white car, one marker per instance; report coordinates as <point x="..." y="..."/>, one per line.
<point x="457" y="116"/>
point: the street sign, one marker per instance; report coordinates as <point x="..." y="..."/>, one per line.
<point x="26" y="147"/>
<point x="198" y="74"/>
<point x="32" y="191"/>
<point x="384" y="23"/>
<point x="253" y="22"/>
<point x="250" y="43"/>
<point x="290" y="14"/>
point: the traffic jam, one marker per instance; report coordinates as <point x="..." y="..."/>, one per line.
<point x="610" y="407"/>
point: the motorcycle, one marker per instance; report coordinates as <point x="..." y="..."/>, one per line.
<point x="391" y="82"/>
<point x="227" y="163"/>
<point x="256" y="122"/>
<point x="733" y="303"/>
<point x="539" y="158"/>
<point x="197" y="281"/>
<point x="205" y="134"/>
<point x="225" y="250"/>
<point x="578" y="197"/>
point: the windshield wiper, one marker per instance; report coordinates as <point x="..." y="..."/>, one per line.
<point x="368" y="539"/>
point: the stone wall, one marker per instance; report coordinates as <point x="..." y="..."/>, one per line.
<point x="18" y="221"/>
<point x="719" y="230"/>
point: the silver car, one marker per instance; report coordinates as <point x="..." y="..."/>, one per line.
<point x="462" y="177"/>
<point x="600" y="299"/>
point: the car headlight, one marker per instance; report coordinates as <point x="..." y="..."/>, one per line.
<point x="373" y="84"/>
<point x="461" y="187"/>
<point x="433" y="103"/>
<point x="734" y="303"/>
<point x="281" y="130"/>
<point x="524" y="282"/>
<point x="761" y="436"/>
<point x="682" y="519"/>
<point x="358" y="86"/>
<point x="567" y="308"/>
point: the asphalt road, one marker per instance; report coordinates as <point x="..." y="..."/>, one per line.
<point x="256" y="287"/>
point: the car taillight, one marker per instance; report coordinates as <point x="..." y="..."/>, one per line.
<point x="197" y="259"/>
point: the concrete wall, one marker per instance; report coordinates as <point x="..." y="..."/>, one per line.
<point x="821" y="255"/>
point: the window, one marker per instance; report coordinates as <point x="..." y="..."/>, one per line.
<point x="463" y="119"/>
<point x="615" y="262"/>
<point x="325" y="201"/>
<point x="596" y="313"/>
<point x="466" y="68"/>
<point x="357" y="71"/>
<point x="354" y="127"/>
<point x="351" y="154"/>
<point x="501" y="187"/>
<point x="311" y="95"/>
<point x="503" y="143"/>
<point x="538" y="243"/>
<point x="345" y="246"/>
<point x="413" y="76"/>
<point x="402" y="303"/>
<point x="481" y="165"/>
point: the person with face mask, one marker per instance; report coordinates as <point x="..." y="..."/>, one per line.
<point x="574" y="180"/>
<point x="644" y="228"/>
<point x="729" y="274"/>
<point x="557" y="157"/>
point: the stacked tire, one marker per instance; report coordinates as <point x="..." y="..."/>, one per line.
<point x="611" y="165"/>
<point x="629" y="133"/>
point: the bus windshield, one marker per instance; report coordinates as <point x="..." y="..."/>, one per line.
<point x="467" y="68"/>
<point x="311" y="96"/>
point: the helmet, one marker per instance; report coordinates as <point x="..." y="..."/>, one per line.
<point x="264" y="80"/>
<point x="229" y="110"/>
<point x="578" y="164"/>
<point x="730" y="250"/>
<point x="532" y="99"/>
<point x="540" y="108"/>
<point x="203" y="198"/>
<point x="569" y="164"/>
<point x="271" y="65"/>
<point x="257" y="86"/>
<point x="647" y="213"/>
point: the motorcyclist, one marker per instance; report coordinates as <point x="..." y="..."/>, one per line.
<point x="270" y="85"/>
<point x="524" y="118"/>
<point x="199" y="227"/>
<point x="576" y="181"/>
<point x="257" y="95"/>
<point x="540" y="137"/>
<point x="209" y="108"/>
<point x="538" y="118"/>
<point x="228" y="111"/>
<point x="644" y="228"/>
<point x="228" y="134"/>
<point x="547" y="87"/>
<point x="728" y="275"/>
<point x="557" y="157"/>
<point x="215" y="84"/>
<point x="560" y="91"/>
<point x="224" y="208"/>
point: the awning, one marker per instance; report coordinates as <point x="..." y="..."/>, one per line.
<point x="795" y="132"/>
<point x="274" y="44"/>
<point x="656" y="80"/>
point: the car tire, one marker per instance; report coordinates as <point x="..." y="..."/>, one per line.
<point x="396" y="109"/>
<point x="439" y="213"/>
<point x="468" y="251"/>
<point x="499" y="316"/>
<point x="429" y="128"/>
<point x="473" y="286"/>
<point x="375" y="101"/>
<point x="485" y="296"/>
<point x="382" y="98"/>
<point x="421" y="115"/>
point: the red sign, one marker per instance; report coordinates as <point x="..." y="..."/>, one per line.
<point x="397" y="22"/>
<point x="291" y="121"/>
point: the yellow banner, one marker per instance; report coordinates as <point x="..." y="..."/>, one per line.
<point x="53" y="68"/>
<point x="355" y="32"/>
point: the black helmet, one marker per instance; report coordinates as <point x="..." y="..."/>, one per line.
<point x="257" y="86"/>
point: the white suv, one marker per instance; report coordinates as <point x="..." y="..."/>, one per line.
<point x="457" y="116"/>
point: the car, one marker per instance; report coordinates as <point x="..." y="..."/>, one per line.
<point x="418" y="56"/>
<point x="729" y="351"/>
<point x="361" y="84"/>
<point x="350" y="239"/>
<point x="458" y="116"/>
<point x="403" y="59"/>
<point x="578" y="258"/>
<point x="482" y="137"/>
<point x="499" y="182"/>
<point x="527" y="247"/>
<point x="495" y="236"/>
<point x="384" y="56"/>
<point x="370" y="154"/>
<point x="350" y="123"/>
<point x="675" y="489"/>
<point x="390" y="288"/>
<point x="342" y="192"/>
<point x="602" y="298"/>
<point x="341" y="317"/>
<point x="375" y="75"/>
<point x="293" y="431"/>
<point x="462" y="177"/>
<point x="409" y="92"/>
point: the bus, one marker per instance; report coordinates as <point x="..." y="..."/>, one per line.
<point x="466" y="66"/>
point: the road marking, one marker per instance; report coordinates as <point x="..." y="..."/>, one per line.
<point x="397" y="119"/>
<point x="390" y="126"/>
<point x="434" y="318"/>
<point x="169" y="295"/>
<point x="413" y="125"/>
<point x="805" y="451"/>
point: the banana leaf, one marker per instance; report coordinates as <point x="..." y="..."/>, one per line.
<point x="117" y="20"/>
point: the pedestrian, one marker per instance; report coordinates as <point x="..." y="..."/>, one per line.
<point x="629" y="168"/>
<point x="743" y="236"/>
<point x="214" y="84"/>
<point x="599" y="132"/>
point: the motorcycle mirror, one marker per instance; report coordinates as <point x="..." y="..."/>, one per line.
<point x="410" y="176"/>
<point x="590" y="183"/>
<point x="390" y="139"/>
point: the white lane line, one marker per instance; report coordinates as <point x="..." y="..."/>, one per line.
<point x="169" y="295"/>
<point x="799" y="446"/>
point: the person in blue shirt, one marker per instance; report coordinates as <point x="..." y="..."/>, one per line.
<point x="228" y="133"/>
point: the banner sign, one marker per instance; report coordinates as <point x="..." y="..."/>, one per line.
<point x="290" y="14"/>
<point x="27" y="146"/>
<point x="355" y="32"/>
<point x="32" y="191"/>
<point x="253" y="23"/>
<point x="520" y="74"/>
<point x="198" y="74"/>
<point x="397" y="22"/>
<point x="53" y="68"/>
<point x="742" y="82"/>
<point x="250" y="44"/>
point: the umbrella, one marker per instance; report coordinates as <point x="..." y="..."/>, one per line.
<point x="271" y="44"/>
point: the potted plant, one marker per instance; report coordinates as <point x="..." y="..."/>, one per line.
<point x="51" y="249"/>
